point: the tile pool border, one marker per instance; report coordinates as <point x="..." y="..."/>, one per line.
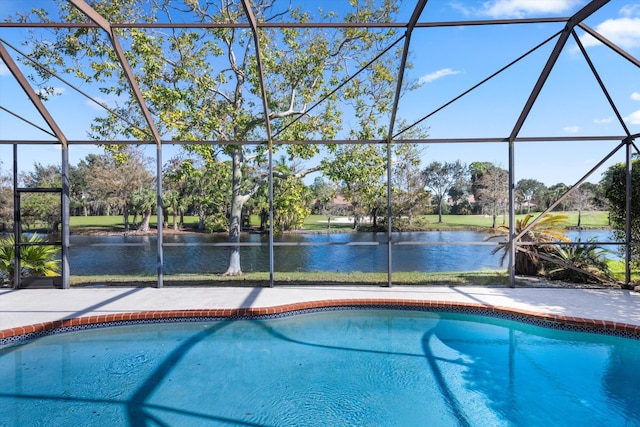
<point x="549" y="320"/>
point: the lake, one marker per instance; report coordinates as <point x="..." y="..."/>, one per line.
<point x="430" y="251"/>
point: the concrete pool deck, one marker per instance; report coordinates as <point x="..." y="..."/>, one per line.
<point x="24" y="307"/>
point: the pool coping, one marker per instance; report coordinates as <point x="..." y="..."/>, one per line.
<point x="545" y="319"/>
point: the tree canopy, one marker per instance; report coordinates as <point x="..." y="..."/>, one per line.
<point x="203" y="84"/>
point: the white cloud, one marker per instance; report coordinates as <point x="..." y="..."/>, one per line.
<point x="630" y="10"/>
<point x="524" y="8"/>
<point x="572" y="129"/>
<point x="461" y="7"/>
<point x="624" y="32"/>
<point x="4" y="70"/>
<point x="635" y="96"/>
<point x="633" y="118"/>
<point x="603" y="121"/>
<point x="428" y="78"/>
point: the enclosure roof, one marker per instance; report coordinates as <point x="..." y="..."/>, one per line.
<point x="565" y="36"/>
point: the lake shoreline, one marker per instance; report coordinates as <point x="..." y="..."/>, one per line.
<point x="191" y="231"/>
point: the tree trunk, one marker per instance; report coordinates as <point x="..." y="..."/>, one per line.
<point x="126" y="218"/>
<point x="526" y="264"/>
<point x="579" y="217"/>
<point x="237" y="201"/>
<point x="144" y="222"/>
<point x="175" y="217"/>
<point x="439" y="210"/>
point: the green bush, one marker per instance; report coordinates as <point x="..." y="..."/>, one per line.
<point x="36" y="259"/>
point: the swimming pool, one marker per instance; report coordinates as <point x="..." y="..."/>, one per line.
<point x="368" y="366"/>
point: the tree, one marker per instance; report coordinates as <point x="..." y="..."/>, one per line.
<point x="36" y="259"/>
<point x="476" y="171"/>
<point x="112" y="180"/>
<point x="614" y="185"/>
<point x="553" y="193"/>
<point x="580" y="199"/>
<point x="442" y="177"/>
<point x="291" y="198"/>
<point x="579" y="263"/>
<point x="550" y="228"/>
<point x="408" y="195"/>
<point x="176" y="184"/>
<point x="203" y="84"/>
<point x="360" y="170"/>
<point x="324" y="195"/>
<point x="597" y="199"/>
<point x="42" y="207"/>
<point x="78" y="190"/>
<point x="6" y="200"/>
<point x="529" y="191"/>
<point x="142" y="201"/>
<point x="493" y="191"/>
<point x="207" y="189"/>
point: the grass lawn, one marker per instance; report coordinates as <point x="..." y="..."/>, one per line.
<point x="595" y="219"/>
<point x="258" y="279"/>
<point x="617" y="268"/>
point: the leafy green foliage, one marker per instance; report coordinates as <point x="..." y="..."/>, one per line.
<point x="587" y="259"/>
<point x="440" y="178"/>
<point x="35" y="259"/>
<point x="550" y="228"/>
<point x="203" y="84"/>
<point x="614" y="186"/>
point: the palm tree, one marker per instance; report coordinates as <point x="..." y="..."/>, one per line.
<point x="35" y="259"/>
<point x="550" y="228"/>
<point x="582" y="263"/>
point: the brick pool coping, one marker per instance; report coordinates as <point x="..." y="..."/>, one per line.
<point x="545" y="319"/>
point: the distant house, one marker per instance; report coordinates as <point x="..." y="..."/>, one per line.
<point x="340" y="201"/>
<point x="470" y="198"/>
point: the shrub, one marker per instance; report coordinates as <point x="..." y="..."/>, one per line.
<point x="36" y="259"/>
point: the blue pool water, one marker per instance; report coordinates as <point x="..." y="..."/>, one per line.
<point x="329" y="368"/>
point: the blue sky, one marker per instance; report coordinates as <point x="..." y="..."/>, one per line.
<point x="447" y="62"/>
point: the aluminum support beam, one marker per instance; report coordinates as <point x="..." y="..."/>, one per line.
<point x="17" y="227"/>
<point x="267" y="120"/>
<point x="580" y="16"/>
<point x="44" y="112"/>
<point x="126" y="68"/>
<point x="31" y="94"/>
<point x="512" y="216"/>
<point x="403" y="63"/>
<point x="128" y="71"/>
<point x="601" y="83"/>
<point x="65" y="227"/>
<point x="72" y="86"/>
<point x="610" y="44"/>
<point x="569" y="191"/>
<point x="231" y="25"/>
<point x="627" y="225"/>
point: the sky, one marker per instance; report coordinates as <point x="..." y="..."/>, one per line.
<point x="447" y="62"/>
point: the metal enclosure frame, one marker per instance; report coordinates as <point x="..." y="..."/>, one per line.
<point x="97" y="21"/>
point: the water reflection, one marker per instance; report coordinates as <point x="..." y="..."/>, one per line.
<point x="433" y="251"/>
